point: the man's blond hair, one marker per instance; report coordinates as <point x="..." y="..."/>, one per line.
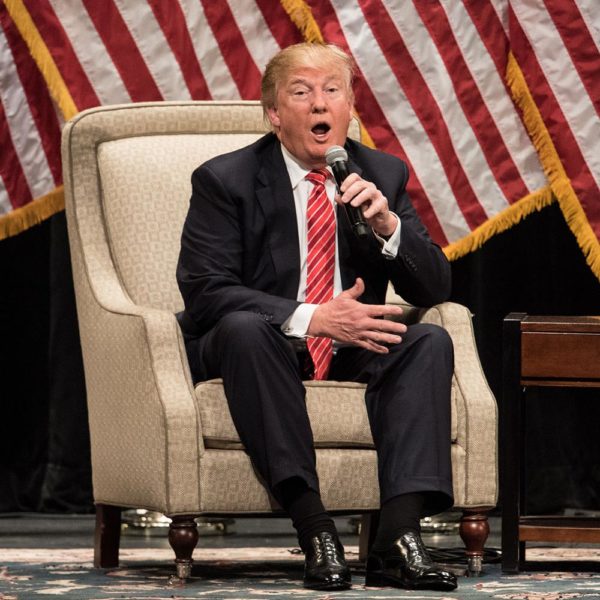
<point x="319" y="56"/>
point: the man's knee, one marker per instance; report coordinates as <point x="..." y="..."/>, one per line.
<point x="438" y="340"/>
<point x="439" y="336"/>
<point x="244" y="326"/>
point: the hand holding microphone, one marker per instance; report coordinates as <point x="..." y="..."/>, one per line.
<point x="367" y="207"/>
<point x="337" y="158"/>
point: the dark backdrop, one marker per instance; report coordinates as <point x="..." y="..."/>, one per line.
<point x="535" y="267"/>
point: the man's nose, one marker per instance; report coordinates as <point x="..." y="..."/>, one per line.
<point x="319" y="103"/>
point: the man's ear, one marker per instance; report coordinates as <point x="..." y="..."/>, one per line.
<point x="273" y="116"/>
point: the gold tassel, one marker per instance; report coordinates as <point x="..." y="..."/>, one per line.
<point x="500" y="222"/>
<point x="302" y="17"/>
<point x="32" y="213"/>
<point x="552" y="165"/>
<point x="40" y="53"/>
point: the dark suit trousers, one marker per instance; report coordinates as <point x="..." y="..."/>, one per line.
<point x="407" y="398"/>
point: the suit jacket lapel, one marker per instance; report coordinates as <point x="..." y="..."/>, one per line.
<point x="276" y="199"/>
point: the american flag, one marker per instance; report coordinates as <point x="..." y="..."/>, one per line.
<point x="493" y="103"/>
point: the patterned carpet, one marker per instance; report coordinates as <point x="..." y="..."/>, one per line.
<point x="257" y="574"/>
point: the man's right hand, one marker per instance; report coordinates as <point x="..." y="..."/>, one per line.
<point x="347" y="320"/>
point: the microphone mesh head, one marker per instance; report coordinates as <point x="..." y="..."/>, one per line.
<point x="334" y="154"/>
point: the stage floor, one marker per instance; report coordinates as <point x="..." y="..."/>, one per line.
<point x="49" y="556"/>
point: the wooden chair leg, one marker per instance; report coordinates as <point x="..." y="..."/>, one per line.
<point x="474" y="530"/>
<point x="368" y="529"/>
<point x="107" y="536"/>
<point x="183" y="537"/>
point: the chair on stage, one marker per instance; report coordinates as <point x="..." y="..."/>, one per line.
<point x="158" y="442"/>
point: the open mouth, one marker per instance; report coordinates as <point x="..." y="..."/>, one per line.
<point x="321" y="128"/>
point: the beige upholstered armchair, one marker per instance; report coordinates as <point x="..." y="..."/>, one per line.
<point x="159" y="443"/>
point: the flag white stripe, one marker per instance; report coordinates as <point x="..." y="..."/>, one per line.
<point x="257" y="35"/>
<point x="91" y="52"/>
<point x="155" y="49"/>
<point x="492" y="90"/>
<point x="466" y="146"/>
<point x="564" y="80"/>
<point x="5" y="205"/>
<point x="403" y="121"/>
<point x="218" y="77"/>
<point x="23" y="130"/>
<point x="591" y="16"/>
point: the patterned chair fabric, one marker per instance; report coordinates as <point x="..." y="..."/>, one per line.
<point x="158" y="442"/>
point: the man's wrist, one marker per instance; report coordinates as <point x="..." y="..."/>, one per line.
<point x="388" y="231"/>
<point x="298" y="322"/>
<point x="390" y="244"/>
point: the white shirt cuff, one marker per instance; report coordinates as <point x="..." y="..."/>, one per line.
<point x="390" y="247"/>
<point x="297" y="323"/>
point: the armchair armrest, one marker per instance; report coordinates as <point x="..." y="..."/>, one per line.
<point x="476" y="409"/>
<point x="141" y="406"/>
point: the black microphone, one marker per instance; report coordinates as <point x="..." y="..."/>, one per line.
<point x="337" y="158"/>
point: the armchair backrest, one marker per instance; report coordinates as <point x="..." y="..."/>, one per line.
<point x="133" y="165"/>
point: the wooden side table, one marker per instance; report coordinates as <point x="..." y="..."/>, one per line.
<point x="540" y="351"/>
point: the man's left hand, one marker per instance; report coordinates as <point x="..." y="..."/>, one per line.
<point x="372" y="202"/>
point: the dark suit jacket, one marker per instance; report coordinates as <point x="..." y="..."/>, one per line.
<point x="240" y="249"/>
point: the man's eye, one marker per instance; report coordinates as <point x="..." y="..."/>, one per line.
<point x="300" y="93"/>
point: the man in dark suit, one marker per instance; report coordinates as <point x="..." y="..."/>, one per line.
<point x="278" y="288"/>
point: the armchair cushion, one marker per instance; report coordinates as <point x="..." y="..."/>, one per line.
<point x="336" y="410"/>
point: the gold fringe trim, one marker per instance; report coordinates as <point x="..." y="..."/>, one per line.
<point x="552" y="165"/>
<point x="302" y="17"/>
<point x="501" y="222"/>
<point x="32" y="213"/>
<point x="40" y="53"/>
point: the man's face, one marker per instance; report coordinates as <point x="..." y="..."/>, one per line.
<point x="312" y="113"/>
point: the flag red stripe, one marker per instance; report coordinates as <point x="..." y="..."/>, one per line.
<point x="425" y="107"/>
<point x="579" y="44"/>
<point x="172" y="21"/>
<point x="233" y="47"/>
<point x="491" y="31"/>
<point x="474" y="107"/>
<point x="376" y="122"/>
<point x="62" y="52"/>
<point x="11" y="169"/>
<point x="38" y="97"/>
<point x="123" y="50"/>
<point x="282" y="28"/>
<point x="562" y="136"/>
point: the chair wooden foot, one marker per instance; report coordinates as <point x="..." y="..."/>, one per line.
<point x="474" y="530"/>
<point x="183" y="537"/>
<point x="107" y="536"/>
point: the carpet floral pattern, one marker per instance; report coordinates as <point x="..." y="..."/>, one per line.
<point x="253" y="573"/>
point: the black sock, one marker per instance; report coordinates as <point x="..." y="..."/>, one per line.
<point x="306" y="510"/>
<point x="398" y="516"/>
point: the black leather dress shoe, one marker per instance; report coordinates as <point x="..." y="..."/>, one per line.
<point x="408" y="565"/>
<point x="324" y="565"/>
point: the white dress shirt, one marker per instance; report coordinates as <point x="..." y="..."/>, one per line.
<point x="297" y="324"/>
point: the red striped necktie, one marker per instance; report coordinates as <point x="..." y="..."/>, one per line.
<point x="320" y="264"/>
